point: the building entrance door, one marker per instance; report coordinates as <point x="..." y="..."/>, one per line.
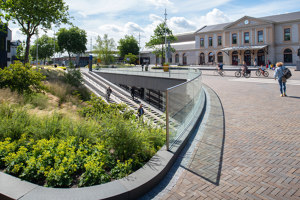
<point x="247" y="57"/>
<point x="202" y="59"/>
<point x="235" y="57"/>
<point x="260" y="57"/>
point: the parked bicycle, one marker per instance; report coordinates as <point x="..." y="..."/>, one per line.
<point x="260" y="72"/>
<point x="246" y="74"/>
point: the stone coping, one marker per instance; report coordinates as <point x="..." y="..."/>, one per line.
<point x="130" y="187"/>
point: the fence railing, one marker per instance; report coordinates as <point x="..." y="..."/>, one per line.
<point x="183" y="104"/>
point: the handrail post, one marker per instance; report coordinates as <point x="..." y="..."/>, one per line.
<point x="167" y="122"/>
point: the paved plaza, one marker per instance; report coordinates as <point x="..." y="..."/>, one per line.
<point x="260" y="158"/>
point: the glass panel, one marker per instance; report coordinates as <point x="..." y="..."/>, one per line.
<point x="287" y="34"/>
<point x="219" y="40"/>
<point x="234" y="38"/>
<point x="260" y="35"/>
<point x="210" y="41"/>
<point x="202" y="42"/>
<point x="184" y="103"/>
<point x="246" y="37"/>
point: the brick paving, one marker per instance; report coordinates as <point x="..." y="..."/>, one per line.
<point x="261" y="158"/>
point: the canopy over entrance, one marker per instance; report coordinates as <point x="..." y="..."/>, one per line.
<point x="244" y="48"/>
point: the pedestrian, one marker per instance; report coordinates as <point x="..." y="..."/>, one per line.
<point x="108" y="93"/>
<point x="281" y="79"/>
<point x="142" y="67"/>
<point x="244" y="68"/>
<point x="141" y="111"/>
<point x="132" y="93"/>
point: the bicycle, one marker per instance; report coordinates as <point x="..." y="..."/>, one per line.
<point x="246" y="74"/>
<point x="260" y="72"/>
<point x="219" y="72"/>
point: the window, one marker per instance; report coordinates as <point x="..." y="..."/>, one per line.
<point x="176" y="58"/>
<point x="8" y="46"/>
<point x="220" y="57"/>
<point x="246" y="37"/>
<point x="210" y="42"/>
<point x="219" y="40"/>
<point x="287" y="34"/>
<point x="234" y="40"/>
<point x="288" y="56"/>
<point x="2" y="43"/>
<point x="170" y="59"/>
<point x="260" y="36"/>
<point x="201" y="42"/>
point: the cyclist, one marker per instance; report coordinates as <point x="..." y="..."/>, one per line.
<point x="220" y="67"/>
<point x="244" y="68"/>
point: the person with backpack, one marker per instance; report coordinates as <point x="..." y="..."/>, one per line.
<point x="281" y="73"/>
<point x="108" y="93"/>
<point x="141" y="112"/>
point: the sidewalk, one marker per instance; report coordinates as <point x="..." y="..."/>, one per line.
<point x="261" y="158"/>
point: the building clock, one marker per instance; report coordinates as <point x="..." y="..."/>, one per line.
<point x="246" y="22"/>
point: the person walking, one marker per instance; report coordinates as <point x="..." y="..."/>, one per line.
<point x="281" y="79"/>
<point x="244" y="68"/>
<point x="108" y="93"/>
<point x="141" y="112"/>
<point x="132" y="93"/>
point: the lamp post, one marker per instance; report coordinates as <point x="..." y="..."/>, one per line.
<point x="166" y="56"/>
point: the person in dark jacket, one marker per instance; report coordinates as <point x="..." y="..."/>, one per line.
<point x="141" y="111"/>
<point x="132" y="93"/>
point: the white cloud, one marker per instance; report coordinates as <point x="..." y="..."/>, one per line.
<point x="160" y="3"/>
<point x="154" y="17"/>
<point x="131" y="27"/>
<point x="110" y="28"/>
<point x="180" y="24"/>
<point x="213" y="17"/>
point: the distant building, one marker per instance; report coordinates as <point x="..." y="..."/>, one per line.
<point x="13" y="49"/>
<point x="253" y="40"/>
<point x="5" y="38"/>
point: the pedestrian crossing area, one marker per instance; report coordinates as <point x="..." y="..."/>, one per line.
<point x="260" y="80"/>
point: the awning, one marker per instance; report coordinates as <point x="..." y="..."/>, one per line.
<point x="244" y="48"/>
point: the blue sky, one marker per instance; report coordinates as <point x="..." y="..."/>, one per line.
<point x="120" y="17"/>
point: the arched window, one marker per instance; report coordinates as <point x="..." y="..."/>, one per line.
<point x="288" y="56"/>
<point x="184" y="59"/>
<point x="220" y="57"/>
<point x="176" y="58"/>
<point x="211" y="57"/>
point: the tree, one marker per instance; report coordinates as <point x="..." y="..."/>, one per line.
<point x="21" y="51"/>
<point x="104" y="48"/>
<point x="130" y="58"/>
<point x="45" y="48"/>
<point x="73" y="40"/>
<point x="159" y="39"/>
<point x="21" y="78"/>
<point x="32" y="14"/>
<point x="128" y="45"/>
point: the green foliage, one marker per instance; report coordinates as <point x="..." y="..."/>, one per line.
<point x="21" y="78"/>
<point x="21" y="51"/>
<point x="32" y="14"/>
<point x="45" y="48"/>
<point x="72" y="40"/>
<point x="38" y="100"/>
<point x="104" y="48"/>
<point x="128" y="45"/>
<point x="57" y="151"/>
<point x="74" y="77"/>
<point x="159" y="39"/>
<point x="130" y="58"/>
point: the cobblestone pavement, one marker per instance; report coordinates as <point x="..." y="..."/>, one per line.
<point x="261" y="158"/>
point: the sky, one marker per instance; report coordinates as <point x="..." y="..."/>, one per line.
<point x="118" y="18"/>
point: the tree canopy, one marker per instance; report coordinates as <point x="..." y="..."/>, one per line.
<point x="130" y="58"/>
<point x="45" y="48"/>
<point x="128" y="45"/>
<point x="32" y="14"/>
<point x="105" y="48"/>
<point x="159" y="39"/>
<point x="72" y="40"/>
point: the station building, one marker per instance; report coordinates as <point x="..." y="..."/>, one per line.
<point x="257" y="41"/>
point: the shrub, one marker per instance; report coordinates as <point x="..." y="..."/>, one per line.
<point x="37" y="100"/>
<point x="21" y="78"/>
<point x="74" y="77"/>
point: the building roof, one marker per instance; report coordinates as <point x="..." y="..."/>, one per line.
<point x="283" y="17"/>
<point x="185" y="37"/>
<point x="274" y="18"/>
<point x="190" y="45"/>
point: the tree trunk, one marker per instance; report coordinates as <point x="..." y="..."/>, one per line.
<point x="69" y="59"/>
<point x="26" y="58"/>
